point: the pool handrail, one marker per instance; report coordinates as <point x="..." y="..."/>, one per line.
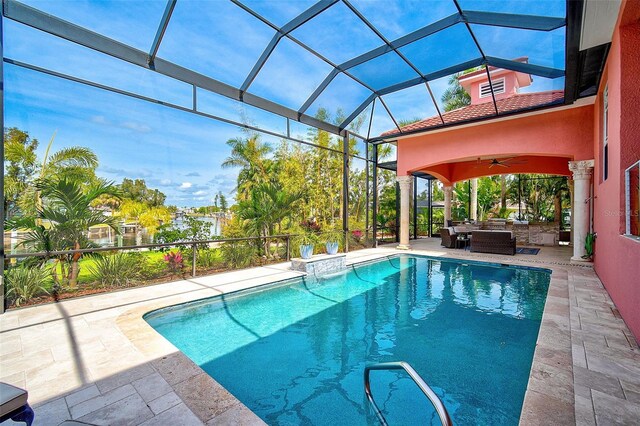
<point x="424" y="387"/>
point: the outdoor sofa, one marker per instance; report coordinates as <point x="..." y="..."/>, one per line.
<point x="497" y="242"/>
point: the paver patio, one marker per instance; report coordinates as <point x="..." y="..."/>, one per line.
<point x="95" y="359"/>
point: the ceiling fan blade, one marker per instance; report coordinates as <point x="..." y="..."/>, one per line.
<point x="503" y="165"/>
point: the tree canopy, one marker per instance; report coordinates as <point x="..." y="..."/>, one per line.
<point x="137" y="190"/>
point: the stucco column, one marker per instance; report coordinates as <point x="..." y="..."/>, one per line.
<point x="404" y="182"/>
<point x="448" y="191"/>
<point x="570" y="184"/>
<point x="473" y="214"/>
<point x="582" y="171"/>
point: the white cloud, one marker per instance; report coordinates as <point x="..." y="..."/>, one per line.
<point x="129" y="173"/>
<point x="130" y="125"/>
<point x="136" y="127"/>
<point x="186" y="185"/>
<point x="165" y="182"/>
<point x="99" y="119"/>
<point x="201" y="192"/>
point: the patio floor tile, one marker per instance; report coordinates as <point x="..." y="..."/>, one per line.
<point x="101" y="401"/>
<point x="598" y="381"/>
<point x="178" y="415"/>
<point x="164" y="402"/>
<point x="82" y="395"/>
<point x="614" y="411"/>
<point x="152" y="387"/>
<point x="128" y="411"/>
<point x="53" y="412"/>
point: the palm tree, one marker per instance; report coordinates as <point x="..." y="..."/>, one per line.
<point x="75" y="163"/>
<point x="265" y="210"/>
<point x="21" y="163"/>
<point x="63" y="220"/>
<point x="250" y="155"/>
<point x="455" y="96"/>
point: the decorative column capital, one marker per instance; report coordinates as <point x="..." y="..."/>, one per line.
<point x="581" y="169"/>
<point x="447" y="189"/>
<point x="404" y="180"/>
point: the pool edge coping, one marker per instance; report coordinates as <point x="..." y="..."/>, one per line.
<point x="199" y="389"/>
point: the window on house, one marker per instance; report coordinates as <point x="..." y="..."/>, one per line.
<point x="632" y="190"/>
<point x="605" y="133"/>
<point x="498" y="87"/>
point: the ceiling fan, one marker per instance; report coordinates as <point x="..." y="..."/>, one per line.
<point x="502" y="162"/>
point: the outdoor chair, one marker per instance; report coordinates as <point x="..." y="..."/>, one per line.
<point x="448" y="237"/>
<point x="13" y="404"/>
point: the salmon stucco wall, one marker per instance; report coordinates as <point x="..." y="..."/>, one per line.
<point x="617" y="257"/>
<point x="567" y="133"/>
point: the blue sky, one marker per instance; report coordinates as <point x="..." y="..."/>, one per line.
<point x="180" y="153"/>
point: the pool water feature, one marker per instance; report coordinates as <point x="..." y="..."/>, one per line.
<point x="294" y="352"/>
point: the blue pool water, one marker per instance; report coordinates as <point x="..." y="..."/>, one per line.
<point x="295" y="352"/>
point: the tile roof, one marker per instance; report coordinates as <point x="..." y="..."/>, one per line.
<point x="518" y="101"/>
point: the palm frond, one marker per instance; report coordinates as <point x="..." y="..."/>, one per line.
<point x="75" y="156"/>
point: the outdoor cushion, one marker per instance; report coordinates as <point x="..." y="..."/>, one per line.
<point x="11" y="398"/>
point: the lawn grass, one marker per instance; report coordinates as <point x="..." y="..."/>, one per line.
<point x="85" y="264"/>
<point x="85" y="276"/>
<point x="151" y="263"/>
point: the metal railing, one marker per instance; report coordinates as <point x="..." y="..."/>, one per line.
<point x="282" y="251"/>
<point x="194" y="245"/>
<point x="443" y="414"/>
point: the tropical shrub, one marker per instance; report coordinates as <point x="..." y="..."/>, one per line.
<point x="174" y="261"/>
<point x="333" y="236"/>
<point x="588" y="245"/>
<point x="24" y="283"/>
<point x="194" y="230"/>
<point x="310" y="225"/>
<point x="168" y="233"/>
<point x="208" y="258"/>
<point x="154" y="269"/>
<point x="116" y="270"/>
<point x="238" y="254"/>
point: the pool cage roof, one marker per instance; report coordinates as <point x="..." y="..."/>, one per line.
<point x="383" y="62"/>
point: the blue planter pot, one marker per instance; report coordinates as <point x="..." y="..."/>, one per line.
<point x="332" y="248"/>
<point x="306" y="251"/>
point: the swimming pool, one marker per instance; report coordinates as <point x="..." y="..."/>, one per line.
<point x="294" y="352"/>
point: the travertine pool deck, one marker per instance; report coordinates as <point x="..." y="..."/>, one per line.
<point x="96" y="360"/>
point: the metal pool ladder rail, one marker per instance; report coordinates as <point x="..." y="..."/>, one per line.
<point x="424" y="387"/>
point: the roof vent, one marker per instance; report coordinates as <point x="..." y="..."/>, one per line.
<point x="498" y="87"/>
